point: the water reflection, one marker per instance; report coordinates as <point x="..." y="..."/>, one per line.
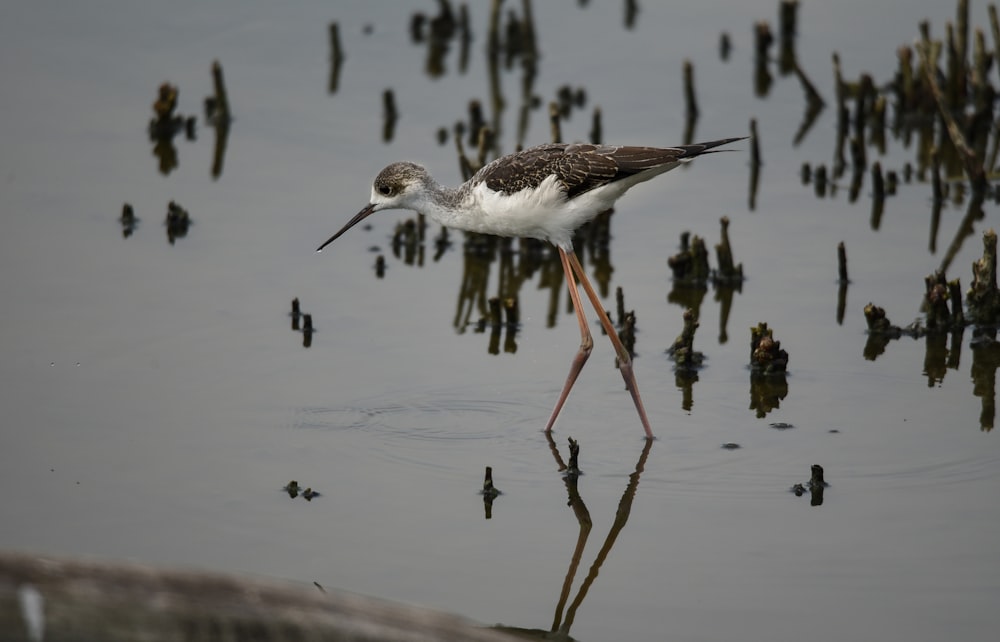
<point x="942" y="352"/>
<point x="219" y="117"/>
<point x="687" y="360"/>
<point x="438" y="32"/>
<point x="302" y="323"/>
<point x="128" y="220"/>
<point x="389" y="115"/>
<point x="177" y="222"/>
<point x="939" y="104"/>
<point x="510" y="39"/>
<point x="692" y="276"/>
<point x="564" y="617"/>
<point x="921" y="120"/>
<point x="787" y="63"/>
<point x="336" y="58"/>
<point x="985" y="361"/>
<point x="517" y="262"/>
<point x="489" y="493"/>
<point x="816" y="486"/>
<point x="766" y="392"/>
<point x="768" y="363"/>
<point x="166" y="125"/>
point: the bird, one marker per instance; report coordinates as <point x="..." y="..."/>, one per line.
<point x="544" y="192"/>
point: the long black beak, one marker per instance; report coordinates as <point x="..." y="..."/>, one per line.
<point x="363" y="214"/>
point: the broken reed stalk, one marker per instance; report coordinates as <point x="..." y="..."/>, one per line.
<point x="389" y="105"/>
<point x="763" y="39"/>
<point x="464" y="164"/>
<point x="390" y="115"/>
<point x="495" y="308"/>
<point x="878" y="182"/>
<point x="476" y="121"/>
<point x="937" y="190"/>
<point x="690" y="100"/>
<point x="955" y="294"/>
<point x="994" y="28"/>
<point x="859" y="159"/>
<point x="983" y="297"/>
<point x="937" y="314"/>
<point x="728" y="271"/>
<point x="812" y="94"/>
<point x="842" y="263"/>
<point x="787" y="18"/>
<point x="863" y="104"/>
<point x="596" y="129"/>
<point x="682" y="349"/>
<point x="960" y="49"/>
<point x="554" y="122"/>
<point x="973" y="165"/>
<point x="725" y="45"/>
<point x="484" y="144"/>
<point x="754" y="143"/>
<point x="573" y="467"/>
<point x="954" y="66"/>
<point x="907" y="85"/>
<point x="819" y="181"/>
<point x="766" y="355"/>
<point x="816" y="478"/>
<point x="512" y="311"/>
<point x="336" y="52"/>
<point x="690" y="265"/>
<point x="489" y="490"/>
<point x="222" y="112"/>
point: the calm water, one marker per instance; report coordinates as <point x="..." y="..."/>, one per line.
<point x="156" y="398"/>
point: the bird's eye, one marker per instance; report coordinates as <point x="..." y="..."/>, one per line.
<point x="384" y="190"/>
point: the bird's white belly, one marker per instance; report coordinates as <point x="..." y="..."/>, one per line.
<point x="542" y="213"/>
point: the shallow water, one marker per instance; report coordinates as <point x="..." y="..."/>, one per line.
<point x="156" y="398"/>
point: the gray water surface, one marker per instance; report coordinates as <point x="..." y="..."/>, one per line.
<point x="156" y="398"/>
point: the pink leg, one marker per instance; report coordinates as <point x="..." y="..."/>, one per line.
<point x="624" y="360"/>
<point x="586" y="340"/>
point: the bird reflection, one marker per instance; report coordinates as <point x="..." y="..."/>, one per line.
<point x="564" y="616"/>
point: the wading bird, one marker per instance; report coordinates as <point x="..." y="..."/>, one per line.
<point x="544" y="192"/>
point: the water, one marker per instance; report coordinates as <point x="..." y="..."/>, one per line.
<point x="156" y="399"/>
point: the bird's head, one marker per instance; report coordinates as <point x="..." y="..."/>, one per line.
<point x="398" y="186"/>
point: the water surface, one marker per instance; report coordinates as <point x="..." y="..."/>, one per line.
<point x="156" y="398"/>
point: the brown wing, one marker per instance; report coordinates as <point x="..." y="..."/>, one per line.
<point x="580" y="168"/>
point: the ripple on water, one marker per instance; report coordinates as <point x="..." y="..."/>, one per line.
<point x="433" y="428"/>
<point x="747" y="472"/>
<point x="960" y="470"/>
<point x="498" y="425"/>
<point x="430" y="414"/>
